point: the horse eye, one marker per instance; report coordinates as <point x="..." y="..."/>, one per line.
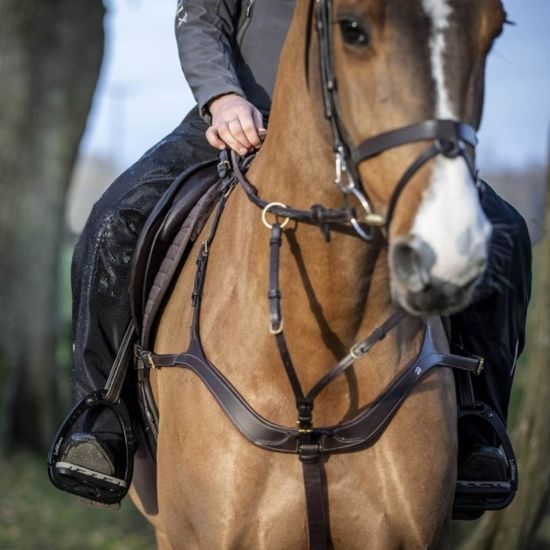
<point x="354" y="32"/>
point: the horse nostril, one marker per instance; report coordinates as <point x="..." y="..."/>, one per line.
<point x="412" y="261"/>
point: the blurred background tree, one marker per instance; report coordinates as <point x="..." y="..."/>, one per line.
<point x="50" y="57"/>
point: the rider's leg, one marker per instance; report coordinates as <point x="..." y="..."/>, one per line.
<point x="101" y="273"/>
<point x="493" y="327"/>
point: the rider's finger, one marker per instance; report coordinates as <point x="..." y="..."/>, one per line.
<point x="250" y="129"/>
<point x="228" y="137"/>
<point x="236" y="129"/>
<point x="214" y="139"/>
<point x="259" y="119"/>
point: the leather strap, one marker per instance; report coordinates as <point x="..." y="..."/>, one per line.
<point x="427" y="155"/>
<point x="356" y="352"/>
<point x="117" y="376"/>
<point x="350" y="436"/>
<point x="315" y="485"/>
<point x="447" y="132"/>
<point x="276" y="319"/>
<point x="337" y="219"/>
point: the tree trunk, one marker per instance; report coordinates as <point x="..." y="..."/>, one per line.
<point x="515" y="527"/>
<point x="50" y="56"/>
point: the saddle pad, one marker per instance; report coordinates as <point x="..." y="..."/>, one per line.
<point x="160" y="228"/>
<point x="174" y="258"/>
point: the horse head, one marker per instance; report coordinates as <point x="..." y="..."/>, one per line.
<point x="404" y="82"/>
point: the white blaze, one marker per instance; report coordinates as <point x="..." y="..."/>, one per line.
<point x="439" y="11"/>
<point x="450" y="218"/>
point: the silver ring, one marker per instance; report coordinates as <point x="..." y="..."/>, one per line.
<point x="232" y="120"/>
<point x="267" y="209"/>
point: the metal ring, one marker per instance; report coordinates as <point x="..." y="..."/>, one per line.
<point x="277" y="330"/>
<point x="266" y="210"/>
<point x="232" y="120"/>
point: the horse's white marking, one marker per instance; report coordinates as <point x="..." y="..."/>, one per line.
<point x="450" y="218"/>
<point x="451" y="221"/>
<point x="439" y="11"/>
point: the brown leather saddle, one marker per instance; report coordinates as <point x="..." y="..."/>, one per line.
<point x="172" y="223"/>
<point x="162" y="247"/>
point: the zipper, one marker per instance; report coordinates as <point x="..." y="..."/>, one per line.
<point x="246" y="23"/>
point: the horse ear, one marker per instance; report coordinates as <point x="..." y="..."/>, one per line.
<point x="493" y="17"/>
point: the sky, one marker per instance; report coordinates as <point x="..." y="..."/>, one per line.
<point x="142" y="95"/>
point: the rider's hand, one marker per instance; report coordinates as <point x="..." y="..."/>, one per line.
<point x="235" y="123"/>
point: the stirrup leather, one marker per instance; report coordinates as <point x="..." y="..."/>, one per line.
<point x="82" y="481"/>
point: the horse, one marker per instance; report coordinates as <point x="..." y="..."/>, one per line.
<point x="357" y="81"/>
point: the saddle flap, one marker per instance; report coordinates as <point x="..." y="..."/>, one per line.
<point x="184" y="202"/>
<point x="174" y="255"/>
<point x="160" y="228"/>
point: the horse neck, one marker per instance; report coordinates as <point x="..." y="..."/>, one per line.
<point x="296" y="167"/>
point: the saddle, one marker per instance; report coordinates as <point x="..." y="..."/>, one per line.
<point x="173" y="224"/>
<point x="169" y="227"/>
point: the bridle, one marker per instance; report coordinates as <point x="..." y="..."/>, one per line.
<point x="450" y="138"/>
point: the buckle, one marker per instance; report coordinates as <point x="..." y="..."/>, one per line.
<point x="145" y="357"/>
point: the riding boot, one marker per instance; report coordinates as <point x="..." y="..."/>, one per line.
<point x="100" y="280"/>
<point x="493" y="327"/>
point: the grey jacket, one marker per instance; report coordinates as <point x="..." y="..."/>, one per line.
<point x="232" y="46"/>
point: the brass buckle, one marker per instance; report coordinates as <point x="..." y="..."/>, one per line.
<point x="303" y="430"/>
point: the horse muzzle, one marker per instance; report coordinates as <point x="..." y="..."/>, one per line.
<point x="419" y="291"/>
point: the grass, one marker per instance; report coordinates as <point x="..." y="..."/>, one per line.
<point x="35" y="515"/>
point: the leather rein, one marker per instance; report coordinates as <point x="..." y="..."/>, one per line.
<point x="313" y="443"/>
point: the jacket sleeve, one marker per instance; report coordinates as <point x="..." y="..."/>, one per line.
<point x="205" y="33"/>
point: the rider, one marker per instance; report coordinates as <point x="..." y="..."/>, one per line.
<point x="229" y="52"/>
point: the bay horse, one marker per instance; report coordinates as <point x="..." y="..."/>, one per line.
<point x="357" y="81"/>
